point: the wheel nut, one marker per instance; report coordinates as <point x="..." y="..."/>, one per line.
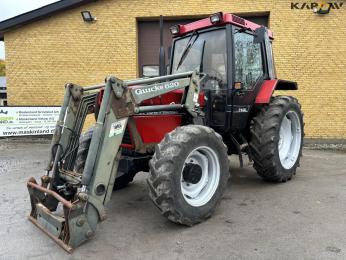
<point x="89" y="233"/>
<point x="80" y="222"/>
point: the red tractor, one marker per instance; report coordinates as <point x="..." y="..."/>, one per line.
<point x="216" y="101"/>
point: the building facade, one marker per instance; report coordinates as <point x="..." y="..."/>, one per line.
<point x="45" y="53"/>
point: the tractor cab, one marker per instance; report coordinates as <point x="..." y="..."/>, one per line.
<point x="231" y="51"/>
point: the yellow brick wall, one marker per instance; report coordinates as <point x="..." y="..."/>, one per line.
<point x="311" y="49"/>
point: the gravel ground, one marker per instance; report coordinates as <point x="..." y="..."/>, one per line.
<point x="301" y="219"/>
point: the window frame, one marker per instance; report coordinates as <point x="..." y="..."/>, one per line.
<point x="263" y="57"/>
<point x="224" y="27"/>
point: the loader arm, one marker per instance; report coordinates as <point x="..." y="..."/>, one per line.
<point x="68" y="205"/>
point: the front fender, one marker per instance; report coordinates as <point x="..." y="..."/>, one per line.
<point x="268" y="87"/>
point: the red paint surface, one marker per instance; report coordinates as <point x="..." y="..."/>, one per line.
<point x="227" y="18"/>
<point x="171" y="97"/>
<point x="100" y="96"/>
<point x="266" y="91"/>
<point x="128" y="146"/>
<point x="152" y="128"/>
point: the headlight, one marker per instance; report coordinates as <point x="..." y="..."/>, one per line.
<point x="175" y="29"/>
<point x="216" y="18"/>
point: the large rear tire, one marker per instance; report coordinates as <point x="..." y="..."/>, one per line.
<point x="188" y="174"/>
<point x="277" y="139"/>
<point x="84" y="143"/>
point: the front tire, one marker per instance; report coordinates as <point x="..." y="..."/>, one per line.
<point x="188" y="174"/>
<point x="83" y="149"/>
<point x="277" y="139"/>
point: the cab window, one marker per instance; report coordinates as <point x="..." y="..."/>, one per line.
<point x="248" y="60"/>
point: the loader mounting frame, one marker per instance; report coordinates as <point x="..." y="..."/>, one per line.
<point x="67" y="205"/>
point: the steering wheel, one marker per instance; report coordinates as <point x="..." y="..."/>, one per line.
<point x="212" y="75"/>
<point x="215" y="75"/>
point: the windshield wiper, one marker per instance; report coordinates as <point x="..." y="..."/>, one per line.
<point x="187" y="48"/>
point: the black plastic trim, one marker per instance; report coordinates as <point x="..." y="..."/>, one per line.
<point x="286" y="85"/>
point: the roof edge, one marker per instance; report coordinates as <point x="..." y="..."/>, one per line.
<point x="38" y="14"/>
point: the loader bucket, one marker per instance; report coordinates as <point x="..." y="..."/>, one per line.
<point x="68" y="228"/>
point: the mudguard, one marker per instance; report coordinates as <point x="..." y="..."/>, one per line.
<point x="268" y="87"/>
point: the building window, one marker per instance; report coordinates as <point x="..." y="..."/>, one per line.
<point x="149" y="71"/>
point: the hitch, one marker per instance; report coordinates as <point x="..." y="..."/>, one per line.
<point x="72" y="225"/>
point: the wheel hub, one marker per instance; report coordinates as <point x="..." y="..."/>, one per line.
<point x="192" y="173"/>
<point x="200" y="176"/>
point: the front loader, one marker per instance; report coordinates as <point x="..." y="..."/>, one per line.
<point x="217" y="101"/>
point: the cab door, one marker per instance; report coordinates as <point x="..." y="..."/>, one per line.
<point x="215" y="84"/>
<point x="248" y="74"/>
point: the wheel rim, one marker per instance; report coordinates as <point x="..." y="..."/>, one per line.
<point x="290" y="140"/>
<point x="200" y="176"/>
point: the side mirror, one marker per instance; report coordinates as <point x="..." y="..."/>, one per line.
<point x="259" y="35"/>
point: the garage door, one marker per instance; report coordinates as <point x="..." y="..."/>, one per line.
<point x="149" y="42"/>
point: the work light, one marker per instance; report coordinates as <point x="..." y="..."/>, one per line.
<point x="175" y="29"/>
<point x="87" y="16"/>
<point x="216" y="18"/>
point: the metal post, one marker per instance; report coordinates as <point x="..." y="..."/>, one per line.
<point x="162" y="67"/>
<point x="158" y="108"/>
<point x="97" y="135"/>
<point x="59" y="126"/>
<point x="158" y="79"/>
<point x="98" y="86"/>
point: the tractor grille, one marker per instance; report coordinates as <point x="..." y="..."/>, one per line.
<point x="127" y="137"/>
<point x="238" y="20"/>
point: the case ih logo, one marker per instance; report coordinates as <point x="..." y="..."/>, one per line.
<point x="317" y="7"/>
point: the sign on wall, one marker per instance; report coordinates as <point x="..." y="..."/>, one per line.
<point x="17" y="121"/>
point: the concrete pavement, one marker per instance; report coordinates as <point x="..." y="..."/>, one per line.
<point x="301" y="219"/>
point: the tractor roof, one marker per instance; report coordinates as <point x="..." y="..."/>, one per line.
<point x="224" y="19"/>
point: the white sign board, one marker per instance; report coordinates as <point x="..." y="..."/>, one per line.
<point x="16" y="121"/>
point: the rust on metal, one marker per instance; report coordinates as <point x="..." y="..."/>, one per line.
<point x="34" y="185"/>
<point x="140" y="146"/>
<point x="57" y="240"/>
<point x="45" y="180"/>
<point x="121" y="106"/>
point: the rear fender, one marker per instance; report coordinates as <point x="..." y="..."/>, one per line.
<point x="268" y="87"/>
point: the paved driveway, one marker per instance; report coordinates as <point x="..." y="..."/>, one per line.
<point x="302" y="219"/>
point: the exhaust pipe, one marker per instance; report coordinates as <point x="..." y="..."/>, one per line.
<point x="162" y="65"/>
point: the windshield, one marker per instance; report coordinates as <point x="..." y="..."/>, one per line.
<point x="206" y="53"/>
